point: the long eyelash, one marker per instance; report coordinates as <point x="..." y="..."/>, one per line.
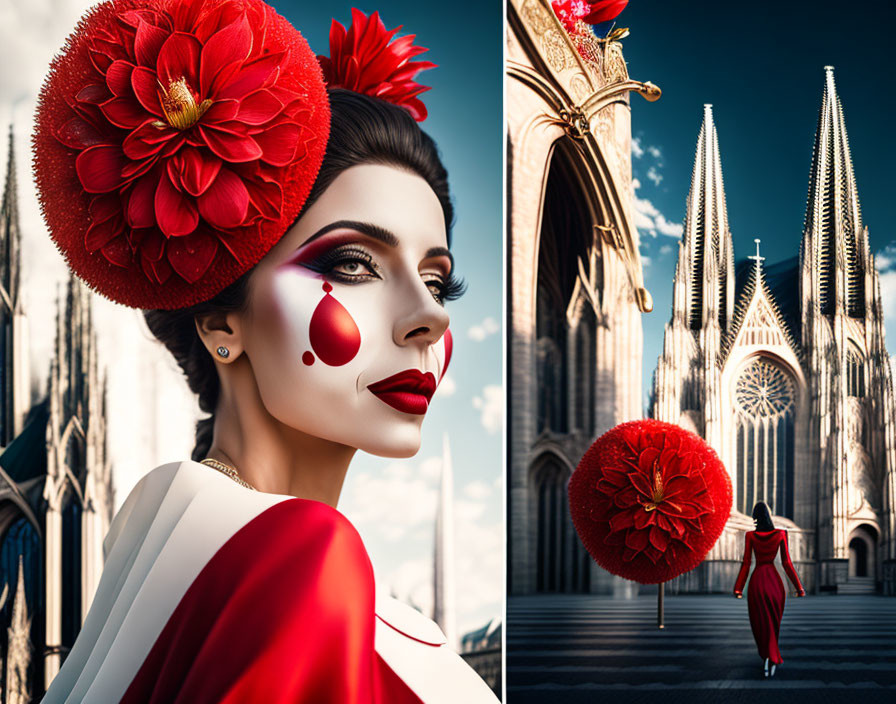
<point x="452" y="289"/>
<point x="328" y="261"/>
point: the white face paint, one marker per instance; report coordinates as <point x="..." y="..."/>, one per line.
<point x="345" y="331"/>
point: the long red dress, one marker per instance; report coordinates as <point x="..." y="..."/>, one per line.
<point x="765" y="595"/>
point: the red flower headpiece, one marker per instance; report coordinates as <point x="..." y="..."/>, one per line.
<point x="649" y="500"/>
<point x="366" y="60"/>
<point x="176" y="142"/>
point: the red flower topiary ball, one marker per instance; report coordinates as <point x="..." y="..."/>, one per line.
<point x="649" y="500"/>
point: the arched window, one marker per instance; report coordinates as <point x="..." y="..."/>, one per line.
<point x="765" y="401"/>
<point x="71" y="572"/>
<point x="567" y="235"/>
<point x="562" y="562"/>
<point x="855" y="373"/>
<point x="584" y="386"/>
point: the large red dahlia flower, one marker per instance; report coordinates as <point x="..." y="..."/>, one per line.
<point x="176" y="142"/>
<point x="649" y="500"/>
<point x="366" y="60"/>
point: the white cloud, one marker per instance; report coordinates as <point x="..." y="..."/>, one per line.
<point x="491" y="406"/>
<point x="487" y="327"/>
<point x="447" y="386"/>
<point x="649" y="219"/>
<point x="369" y="507"/>
<point x="477" y="490"/>
<point x="637" y="149"/>
<point x="665" y="249"/>
<point x="654" y="175"/>
<point x="885" y="261"/>
<point x="654" y="152"/>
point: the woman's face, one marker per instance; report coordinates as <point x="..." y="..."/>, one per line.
<point x="346" y="332"/>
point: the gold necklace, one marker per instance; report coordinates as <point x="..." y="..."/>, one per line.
<point x="229" y="471"/>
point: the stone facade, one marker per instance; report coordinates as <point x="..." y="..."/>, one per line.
<point x="56" y="493"/>
<point x="783" y="369"/>
<point x="575" y="285"/>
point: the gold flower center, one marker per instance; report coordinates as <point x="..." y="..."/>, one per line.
<point x="657" y="495"/>
<point x="179" y="105"/>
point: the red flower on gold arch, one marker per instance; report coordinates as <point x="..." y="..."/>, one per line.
<point x="649" y="500"/>
<point x="187" y="117"/>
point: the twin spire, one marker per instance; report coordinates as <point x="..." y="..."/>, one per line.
<point x="835" y="243"/>
<point x="706" y="261"/>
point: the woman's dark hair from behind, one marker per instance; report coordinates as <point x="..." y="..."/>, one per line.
<point x="363" y="130"/>
<point x="763" y="517"/>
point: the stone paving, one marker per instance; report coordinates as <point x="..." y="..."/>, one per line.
<point x="582" y="648"/>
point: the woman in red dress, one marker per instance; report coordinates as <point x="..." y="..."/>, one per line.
<point x="765" y="595"/>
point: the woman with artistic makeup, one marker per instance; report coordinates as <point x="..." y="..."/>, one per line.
<point x="287" y="236"/>
<point x="765" y="593"/>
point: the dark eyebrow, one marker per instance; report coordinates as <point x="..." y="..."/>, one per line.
<point x="440" y="252"/>
<point x="365" y="228"/>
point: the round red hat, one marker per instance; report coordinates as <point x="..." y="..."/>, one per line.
<point x="649" y="500"/>
<point x="176" y="142"/>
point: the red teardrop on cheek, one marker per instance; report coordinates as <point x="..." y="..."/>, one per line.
<point x="449" y="345"/>
<point x="335" y="337"/>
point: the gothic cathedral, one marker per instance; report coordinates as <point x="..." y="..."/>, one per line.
<point x="56" y="493"/>
<point x="783" y="369"/>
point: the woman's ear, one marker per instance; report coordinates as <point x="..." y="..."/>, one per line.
<point x="221" y="334"/>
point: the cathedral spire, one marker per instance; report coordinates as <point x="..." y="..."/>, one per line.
<point x="443" y="557"/>
<point x="10" y="235"/>
<point x="835" y="240"/>
<point x="15" y="378"/>
<point x="708" y="255"/>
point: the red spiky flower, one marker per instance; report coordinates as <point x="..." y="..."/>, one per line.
<point x="572" y="13"/>
<point x="176" y="142"/>
<point x="366" y="60"/>
<point x="649" y="500"/>
<point x="603" y="10"/>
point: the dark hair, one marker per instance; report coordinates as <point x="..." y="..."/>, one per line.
<point x="762" y="516"/>
<point x="363" y="130"/>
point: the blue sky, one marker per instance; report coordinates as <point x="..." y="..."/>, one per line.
<point x="763" y="73"/>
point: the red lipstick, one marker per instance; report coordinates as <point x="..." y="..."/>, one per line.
<point x="408" y="391"/>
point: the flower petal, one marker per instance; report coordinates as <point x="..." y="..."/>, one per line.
<point x="258" y="108"/>
<point x="198" y="170"/>
<point x="78" y="134"/>
<point x="224" y="48"/>
<point x="176" y="213"/>
<point x="192" y="255"/>
<point x="99" y="168"/>
<point x="658" y="538"/>
<point x="179" y="59"/>
<point x="230" y="147"/>
<point x="278" y="144"/>
<point x="145" y="83"/>
<point x="141" y="203"/>
<point x="124" y="112"/>
<point x="251" y="76"/>
<point x="636" y="539"/>
<point x="118" y="78"/>
<point x="225" y="203"/>
<point x="147" y="43"/>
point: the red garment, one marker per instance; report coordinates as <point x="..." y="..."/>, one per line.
<point x="282" y="613"/>
<point x="765" y="595"/>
